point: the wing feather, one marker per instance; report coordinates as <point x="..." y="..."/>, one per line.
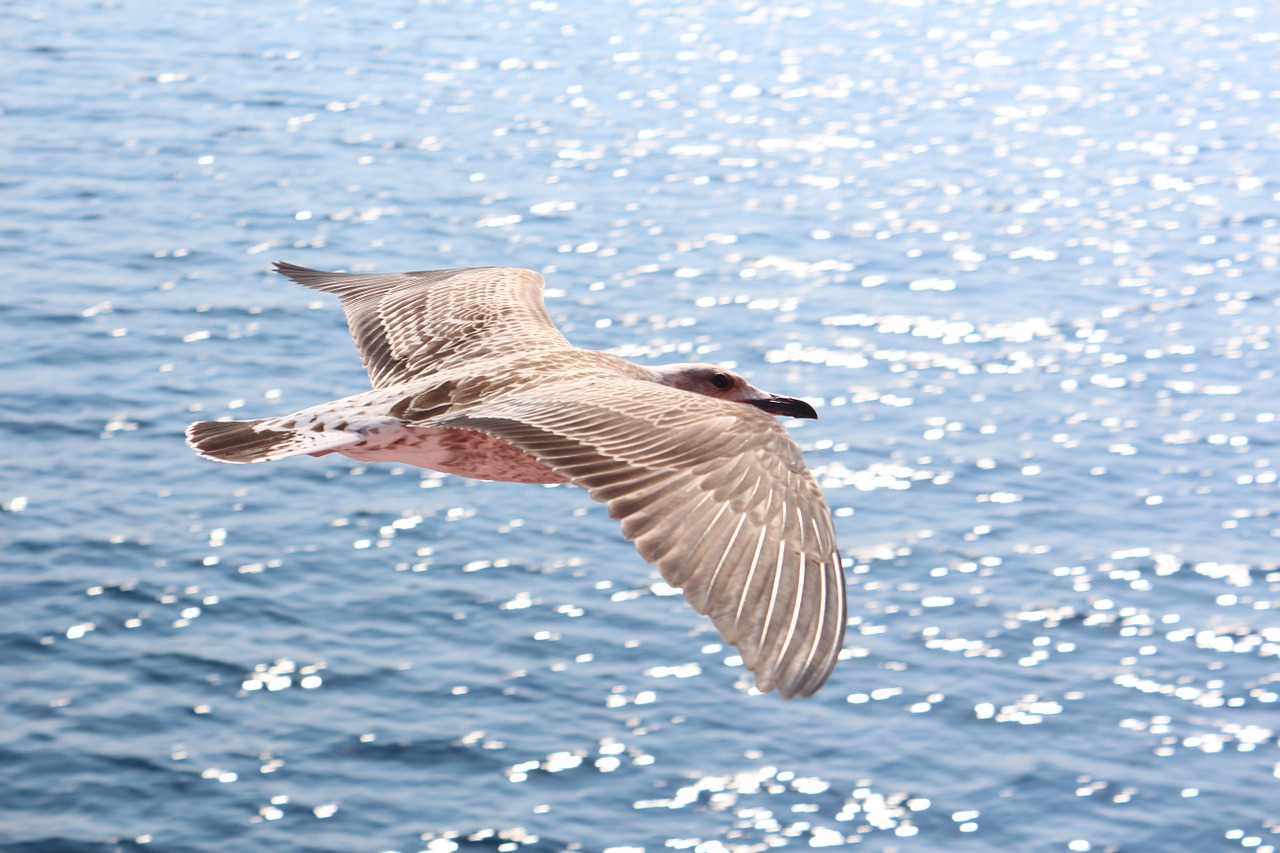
<point x="408" y="324"/>
<point x="715" y="493"/>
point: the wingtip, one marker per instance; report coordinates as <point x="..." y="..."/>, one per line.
<point x="293" y="270"/>
<point x="330" y="282"/>
<point x="788" y="689"/>
<point x="794" y="688"/>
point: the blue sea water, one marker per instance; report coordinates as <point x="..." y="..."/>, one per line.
<point x="1023" y="258"/>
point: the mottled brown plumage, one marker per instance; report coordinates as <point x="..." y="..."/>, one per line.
<point x="472" y="378"/>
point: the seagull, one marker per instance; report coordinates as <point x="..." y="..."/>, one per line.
<point x="471" y="377"/>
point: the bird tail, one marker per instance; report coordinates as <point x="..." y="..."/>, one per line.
<point x="259" y="440"/>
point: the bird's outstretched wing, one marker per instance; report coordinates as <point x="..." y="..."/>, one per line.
<point x="407" y="324"/>
<point x="715" y="493"/>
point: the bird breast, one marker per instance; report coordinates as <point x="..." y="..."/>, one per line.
<point x="462" y="452"/>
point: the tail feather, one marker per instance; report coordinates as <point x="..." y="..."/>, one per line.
<point x="244" y="442"/>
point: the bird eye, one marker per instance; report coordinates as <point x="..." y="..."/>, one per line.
<point x="721" y="381"/>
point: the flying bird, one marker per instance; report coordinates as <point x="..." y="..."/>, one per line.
<point x="471" y="377"/>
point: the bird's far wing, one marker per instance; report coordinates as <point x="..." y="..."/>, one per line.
<point x="407" y="324"/>
<point x="716" y="494"/>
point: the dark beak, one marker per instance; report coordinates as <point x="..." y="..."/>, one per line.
<point x="785" y="406"/>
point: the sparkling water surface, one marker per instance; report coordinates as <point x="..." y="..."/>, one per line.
<point x="1022" y="258"/>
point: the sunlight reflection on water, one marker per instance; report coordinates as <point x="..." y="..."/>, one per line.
<point x="1021" y="259"/>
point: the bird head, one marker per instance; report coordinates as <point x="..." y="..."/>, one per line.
<point x="723" y="384"/>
